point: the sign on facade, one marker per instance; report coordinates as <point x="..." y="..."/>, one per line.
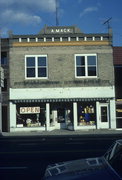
<point x="61" y="30"/>
<point x="29" y="110"/>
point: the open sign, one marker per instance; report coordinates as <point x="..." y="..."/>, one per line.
<point x="29" y="110"/>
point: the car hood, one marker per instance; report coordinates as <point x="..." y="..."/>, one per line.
<point x="84" y="169"/>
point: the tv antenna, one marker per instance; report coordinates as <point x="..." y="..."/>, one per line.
<point x="57" y="17"/>
<point x="108" y="23"/>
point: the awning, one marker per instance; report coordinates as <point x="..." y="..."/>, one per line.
<point x="59" y="100"/>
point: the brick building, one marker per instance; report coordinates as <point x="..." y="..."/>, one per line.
<point x="61" y="78"/>
<point x="117" y="56"/>
<point x="5" y="88"/>
<point x="1" y="85"/>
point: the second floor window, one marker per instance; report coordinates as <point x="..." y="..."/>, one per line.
<point x="3" y="58"/>
<point x="85" y="65"/>
<point x="4" y="88"/>
<point x="36" y="66"/>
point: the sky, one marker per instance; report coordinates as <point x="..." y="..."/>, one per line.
<point x="30" y="16"/>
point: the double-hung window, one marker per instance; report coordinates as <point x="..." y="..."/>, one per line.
<point x="36" y="66"/>
<point x="85" y="65"/>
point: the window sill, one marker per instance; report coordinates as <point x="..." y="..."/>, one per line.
<point x="42" y="78"/>
<point x="86" y="77"/>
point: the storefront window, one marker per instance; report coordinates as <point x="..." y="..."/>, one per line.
<point x="86" y="114"/>
<point x="30" y="115"/>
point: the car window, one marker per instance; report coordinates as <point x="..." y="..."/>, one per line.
<point x="109" y="152"/>
<point x="114" y="149"/>
<point x="116" y="163"/>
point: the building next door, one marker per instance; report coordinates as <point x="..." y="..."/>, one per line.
<point x="4" y="119"/>
<point x="104" y="116"/>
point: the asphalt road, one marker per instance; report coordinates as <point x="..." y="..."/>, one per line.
<point x="27" y="157"/>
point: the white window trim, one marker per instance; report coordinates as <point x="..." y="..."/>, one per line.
<point x="36" y="67"/>
<point x="86" y="66"/>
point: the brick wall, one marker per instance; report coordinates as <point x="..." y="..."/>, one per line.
<point x="61" y="66"/>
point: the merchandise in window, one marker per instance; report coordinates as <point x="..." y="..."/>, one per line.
<point x="86" y="114"/>
<point x="36" y="66"/>
<point x="86" y="65"/>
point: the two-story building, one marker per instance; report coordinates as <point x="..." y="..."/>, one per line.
<point x="2" y="86"/>
<point x="1" y="99"/>
<point x="117" y="57"/>
<point x="61" y="78"/>
<point x="5" y="83"/>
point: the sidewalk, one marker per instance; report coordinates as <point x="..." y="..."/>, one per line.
<point x="65" y="132"/>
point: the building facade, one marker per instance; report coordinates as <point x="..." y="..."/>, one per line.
<point x="2" y="85"/>
<point x="0" y="99"/>
<point x="5" y="89"/>
<point x="61" y="78"/>
<point x="117" y="56"/>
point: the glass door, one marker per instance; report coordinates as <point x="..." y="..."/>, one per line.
<point x="104" y="116"/>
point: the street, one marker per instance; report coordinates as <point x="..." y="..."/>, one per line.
<point x="27" y="157"/>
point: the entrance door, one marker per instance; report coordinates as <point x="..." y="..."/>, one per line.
<point x="61" y="118"/>
<point x="104" y="116"/>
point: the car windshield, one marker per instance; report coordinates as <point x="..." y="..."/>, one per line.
<point x="114" y="157"/>
<point x="111" y="152"/>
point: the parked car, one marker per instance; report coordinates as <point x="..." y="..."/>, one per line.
<point x="107" y="167"/>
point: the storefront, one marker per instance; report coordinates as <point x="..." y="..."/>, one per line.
<point x="61" y="113"/>
<point x="62" y="108"/>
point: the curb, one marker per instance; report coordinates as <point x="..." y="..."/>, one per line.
<point x="62" y="133"/>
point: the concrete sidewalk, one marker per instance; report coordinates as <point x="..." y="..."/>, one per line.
<point x="65" y="132"/>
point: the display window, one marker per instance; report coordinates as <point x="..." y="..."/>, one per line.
<point x="87" y="114"/>
<point x="30" y="115"/>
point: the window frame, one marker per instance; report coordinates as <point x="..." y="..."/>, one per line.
<point x="36" y="66"/>
<point x="86" y="66"/>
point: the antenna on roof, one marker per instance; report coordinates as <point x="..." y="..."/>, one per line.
<point x="57" y="20"/>
<point x="109" y="29"/>
<point x="108" y="23"/>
